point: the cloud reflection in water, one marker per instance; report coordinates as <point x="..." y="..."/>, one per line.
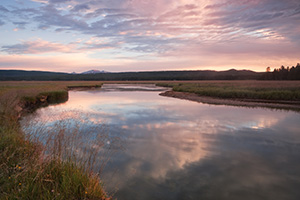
<point x="177" y="149"/>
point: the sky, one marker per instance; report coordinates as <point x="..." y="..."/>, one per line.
<point x="148" y="35"/>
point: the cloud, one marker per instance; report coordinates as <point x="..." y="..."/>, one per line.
<point x="41" y="1"/>
<point x="106" y="18"/>
<point x="80" y="7"/>
<point x="38" y="47"/>
<point x="51" y="17"/>
<point x="98" y="44"/>
<point x="175" y="20"/>
<point x="3" y="9"/>
<point x="59" y="1"/>
<point x="55" y="63"/>
<point x="22" y="16"/>
<point x="20" y="25"/>
<point x="181" y="11"/>
<point x="151" y="44"/>
<point x="1" y="23"/>
<point x="104" y="11"/>
<point x="279" y="17"/>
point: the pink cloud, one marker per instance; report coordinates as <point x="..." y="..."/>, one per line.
<point x="38" y="46"/>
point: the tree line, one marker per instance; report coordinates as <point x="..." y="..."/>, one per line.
<point x="14" y="75"/>
<point x="283" y="73"/>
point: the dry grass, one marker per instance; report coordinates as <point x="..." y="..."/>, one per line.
<point x="46" y="163"/>
<point x="241" y="83"/>
<point x="260" y="90"/>
<point x="32" y="88"/>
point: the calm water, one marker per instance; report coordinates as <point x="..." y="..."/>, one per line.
<point x="178" y="149"/>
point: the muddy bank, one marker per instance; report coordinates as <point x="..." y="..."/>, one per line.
<point x="289" y="105"/>
<point x="29" y="104"/>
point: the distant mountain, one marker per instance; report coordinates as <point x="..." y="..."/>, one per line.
<point x="94" y="71"/>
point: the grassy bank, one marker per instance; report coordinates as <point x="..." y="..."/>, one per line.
<point x="251" y="90"/>
<point x="25" y="171"/>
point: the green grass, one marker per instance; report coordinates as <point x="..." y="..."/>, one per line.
<point x="235" y="90"/>
<point x="26" y="172"/>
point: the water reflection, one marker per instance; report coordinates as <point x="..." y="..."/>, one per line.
<point x="177" y="149"/>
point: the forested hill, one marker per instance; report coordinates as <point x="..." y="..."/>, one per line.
<point x="10" y="75"/>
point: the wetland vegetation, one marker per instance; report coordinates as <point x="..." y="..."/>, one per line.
<point x="255" y="90"/>
<point x="177" y="149"/>
<point x="25" y="169"/>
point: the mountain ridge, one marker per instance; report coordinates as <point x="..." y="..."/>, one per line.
<point x="93" y="71"/>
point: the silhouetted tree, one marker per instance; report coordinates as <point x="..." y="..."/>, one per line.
<point x="283" y="73"/>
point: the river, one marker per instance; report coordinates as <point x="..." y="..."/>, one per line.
<point x="177" y="149"/>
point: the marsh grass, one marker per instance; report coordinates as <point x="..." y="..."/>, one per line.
<point x="240" y="90"/>
<point x="47" y="163"/>
<point x="71" y="136"/>
<point x="8" y="110"/>
<point x="71" y="147"/>
<point x="31" y="103"/>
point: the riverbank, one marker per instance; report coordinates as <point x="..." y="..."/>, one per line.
<point x="233" y="102"/>
<point x="26" y="172"/>
<point x="272" y="94"/>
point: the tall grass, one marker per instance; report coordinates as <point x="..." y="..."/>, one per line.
<point x="46" y="163"/>
<point x="71" y="136"/>
<point x="237" y="91"/>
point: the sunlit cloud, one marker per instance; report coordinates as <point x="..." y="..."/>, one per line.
<point x="40" y="46"/>
<point x="64" y="63"/>
<point x="37" y="47"/>
<point x="40" y="1"/>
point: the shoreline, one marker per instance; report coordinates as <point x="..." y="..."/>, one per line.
<point x="286" y="105"/>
